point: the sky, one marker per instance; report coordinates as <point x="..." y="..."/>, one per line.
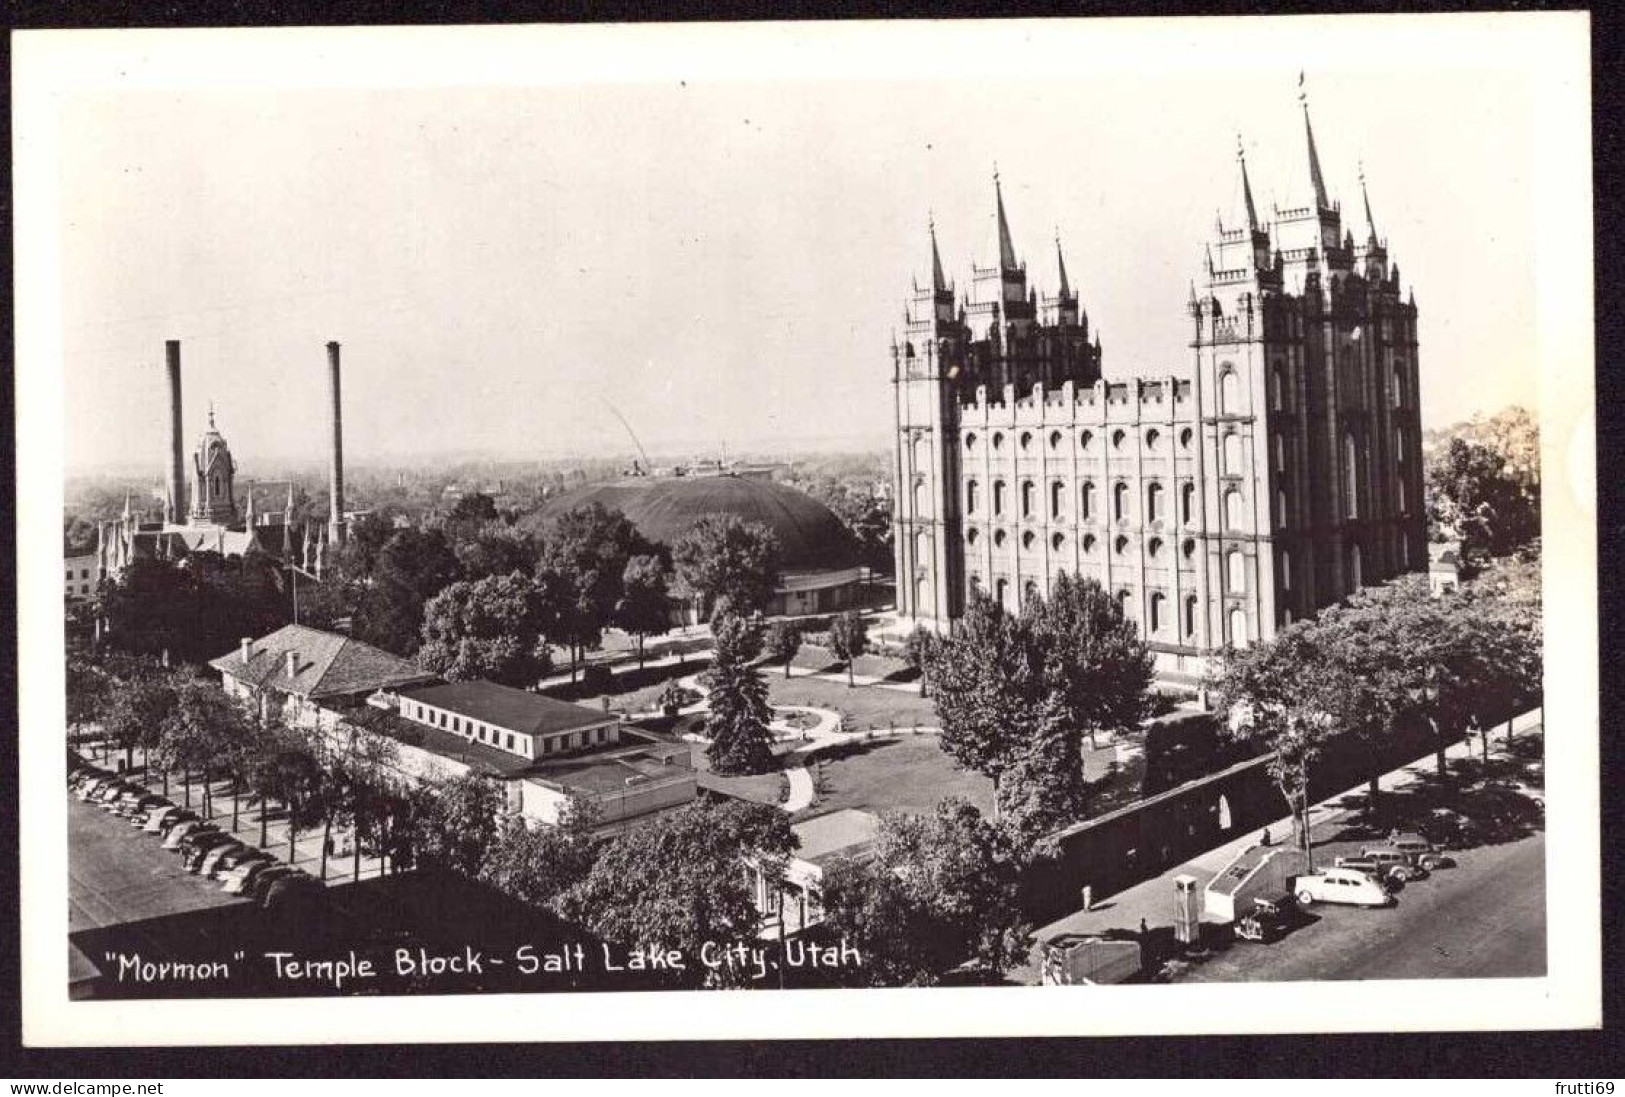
<point x="722" y="256"/>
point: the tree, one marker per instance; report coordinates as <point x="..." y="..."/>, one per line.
<point x="917" y="652"/>
<point x="89" y="691"/>
<point x="412" y="567"/>
<point x="645" y="606"/>
<point x="739" y="718"/>
<point x="683" y="879"/>
<point x="584" y="556"/>
<point x="724" y="556"/>
<point x="940" y="891"/>
<point x="539" y="864"/>
<point x="139" y="704"/>
<point x="1275" y="692"/>
<point x="849" y="638"/>
<point x="782" y="642"/>
<point x="457" y="823"/>
<point x="487" y="628"/>
<point x="496" y="548"/>
<point x="986" y="678"/>
<point x="1478" y="496"/>
<point x="476" y="506"/>
<point x="1094" y="657"/>
<point x="190" y="736"/>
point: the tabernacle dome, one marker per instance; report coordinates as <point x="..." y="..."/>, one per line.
<point x="818" y="555"/>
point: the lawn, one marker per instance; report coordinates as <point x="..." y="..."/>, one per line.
<point x="867" y="706"/>
<point x="907" y="774"/>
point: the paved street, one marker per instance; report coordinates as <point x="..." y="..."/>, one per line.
<point x="1484" y="918"/>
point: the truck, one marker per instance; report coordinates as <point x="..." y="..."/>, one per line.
<point x="1076" y="959"/>
<point x="1258" y="872"/>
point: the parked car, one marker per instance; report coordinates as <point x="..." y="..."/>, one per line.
<point x="260" y="882"/>
<point x="242" y="879"/>
<point x="1341" y="885"/>
<point x="138" y="806"/>
<point x="1383" y="864"/>
<point x="296" y="893"/>
<point x="233" y="859"/>
<point x="1269" y="919"/>
<point x="149" y="807"/>
<point x="179" y="831"/>
<point x="208" y="854"/>
<point x="1419" y="851"/>
<point x="204" y="837"/>
<point x="166" y="819"/>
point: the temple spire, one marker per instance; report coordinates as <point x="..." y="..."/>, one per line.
<point x="1315" y="177"/>
<point x="211" y="414"/>
<point x="1247" y="187"/>
<point x="1060" y="262"/>
<point x="1007" y="250"/>
<point x="1371" y="223"/>
<point x="939" y="283"/>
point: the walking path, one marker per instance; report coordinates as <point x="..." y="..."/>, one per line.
<point x="821" y="736"/>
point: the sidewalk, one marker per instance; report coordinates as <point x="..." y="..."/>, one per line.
<point x="1153" y="900"/>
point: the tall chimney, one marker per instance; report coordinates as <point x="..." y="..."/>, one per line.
<point x="177" y="468"/>
<point x="335" y="518"/>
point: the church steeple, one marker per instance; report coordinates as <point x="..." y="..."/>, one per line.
<point x="1060" y="263"/>
<point x="1370" y="221"/>
<point x="1007" y="250"/>
<point x="939" y="284"/>
<point x="1315" y="178"/>
<point x="1246" y="188"/>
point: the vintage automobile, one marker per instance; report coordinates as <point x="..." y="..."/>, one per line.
<point x="1341" y="885"/>
<point x="1268" y="920"/>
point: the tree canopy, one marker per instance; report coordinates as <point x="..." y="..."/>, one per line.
<point x="739" y="717"/>
<point x="487" y="628"/>
<point x="722" y="556"/>
<point x="583" y="561"/>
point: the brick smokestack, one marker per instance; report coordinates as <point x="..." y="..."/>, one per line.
<point x="177" y="466"/>
<point x="335" y="517"/>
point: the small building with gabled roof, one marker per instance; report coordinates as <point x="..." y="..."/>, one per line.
<point x="306" y="671"/>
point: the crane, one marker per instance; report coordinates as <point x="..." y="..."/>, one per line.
<point x="648" y="466"/>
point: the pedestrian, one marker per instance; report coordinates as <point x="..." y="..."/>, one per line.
<point x="1264" y="840"/>
<point x="1145" y="930"/>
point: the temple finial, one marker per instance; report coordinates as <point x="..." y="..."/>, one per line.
<point x="939" y="283"/>
<point x="1007" y="250"/>
<point x="1315" y="178"/>
<point x="1060" y="262"/>
<point x="1246" y="187"/>
<point x="1370" y="221"/>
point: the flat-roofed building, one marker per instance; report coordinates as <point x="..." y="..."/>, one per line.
<point x="621" y="785"/>
<point x="794" y="902"/>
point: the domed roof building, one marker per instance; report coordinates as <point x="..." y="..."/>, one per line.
<point x="818" y="559"/>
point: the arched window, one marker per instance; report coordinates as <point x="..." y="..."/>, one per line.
<point x="1232" y="454"/>
<point x="1088" y="543"/>
<point x="1399" y="386"/>
<point x="1152" y="437"/>
<point x="1054" y="439"/>
<point x="973" y="494"/>
<point x="1190" y="615"/>
<point x="1399" y="445"/>
<point x="970" y="442"/>
<point x="922" y="593"/>
<point x="1120" y="546"/>
<point x="1280" y="453"/>
<point x="1188" y="549"/>
<point x="1158" y="601"/>
<point x="1029" y="590"/>
<point x="1185" y="437"/>
<point x="973" y="583"/>
<point x="1286" y="615"/>
<point x="1086" y="504"/>
<point x="922" y="547"/>
<point x="1351" y="477"/>
<point x="1187" y="503"/>
<point x="1027" y="494"/>
<point x="1356" y="579"/>
<point x="998" y="538"/>
<point x="1153" y="502"/>
<point x="1280" y="508"/>
<point x="1120" y="501"/>
<point x="1057" y="498"/>
<point x="972" y="535"/>
<point x="921" y="451"/>
<point x="1026" y="440"/>
<point x="1117" y="438"/>
<point x="1084" y="438"/>
<point x="922" y="498"/>
<point x="1286" y="570"/>
<point x="998" y="497"/>
<point x="1229" y="391"/>
<point x="1153" y="547"/>
<point x="1027" y="540"/>
<point x="1238" y="627"/>
<point x="1404" y="550"/>
<point x="1122" y="601"/>
<point x="1057" y="541"/>
<point x="1235" y="569"/>
<point x="1277" y="387"/>
<point x="998" y="440"/>
<point x="1235" y="511"/>
<point x="1001" y="592"/>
